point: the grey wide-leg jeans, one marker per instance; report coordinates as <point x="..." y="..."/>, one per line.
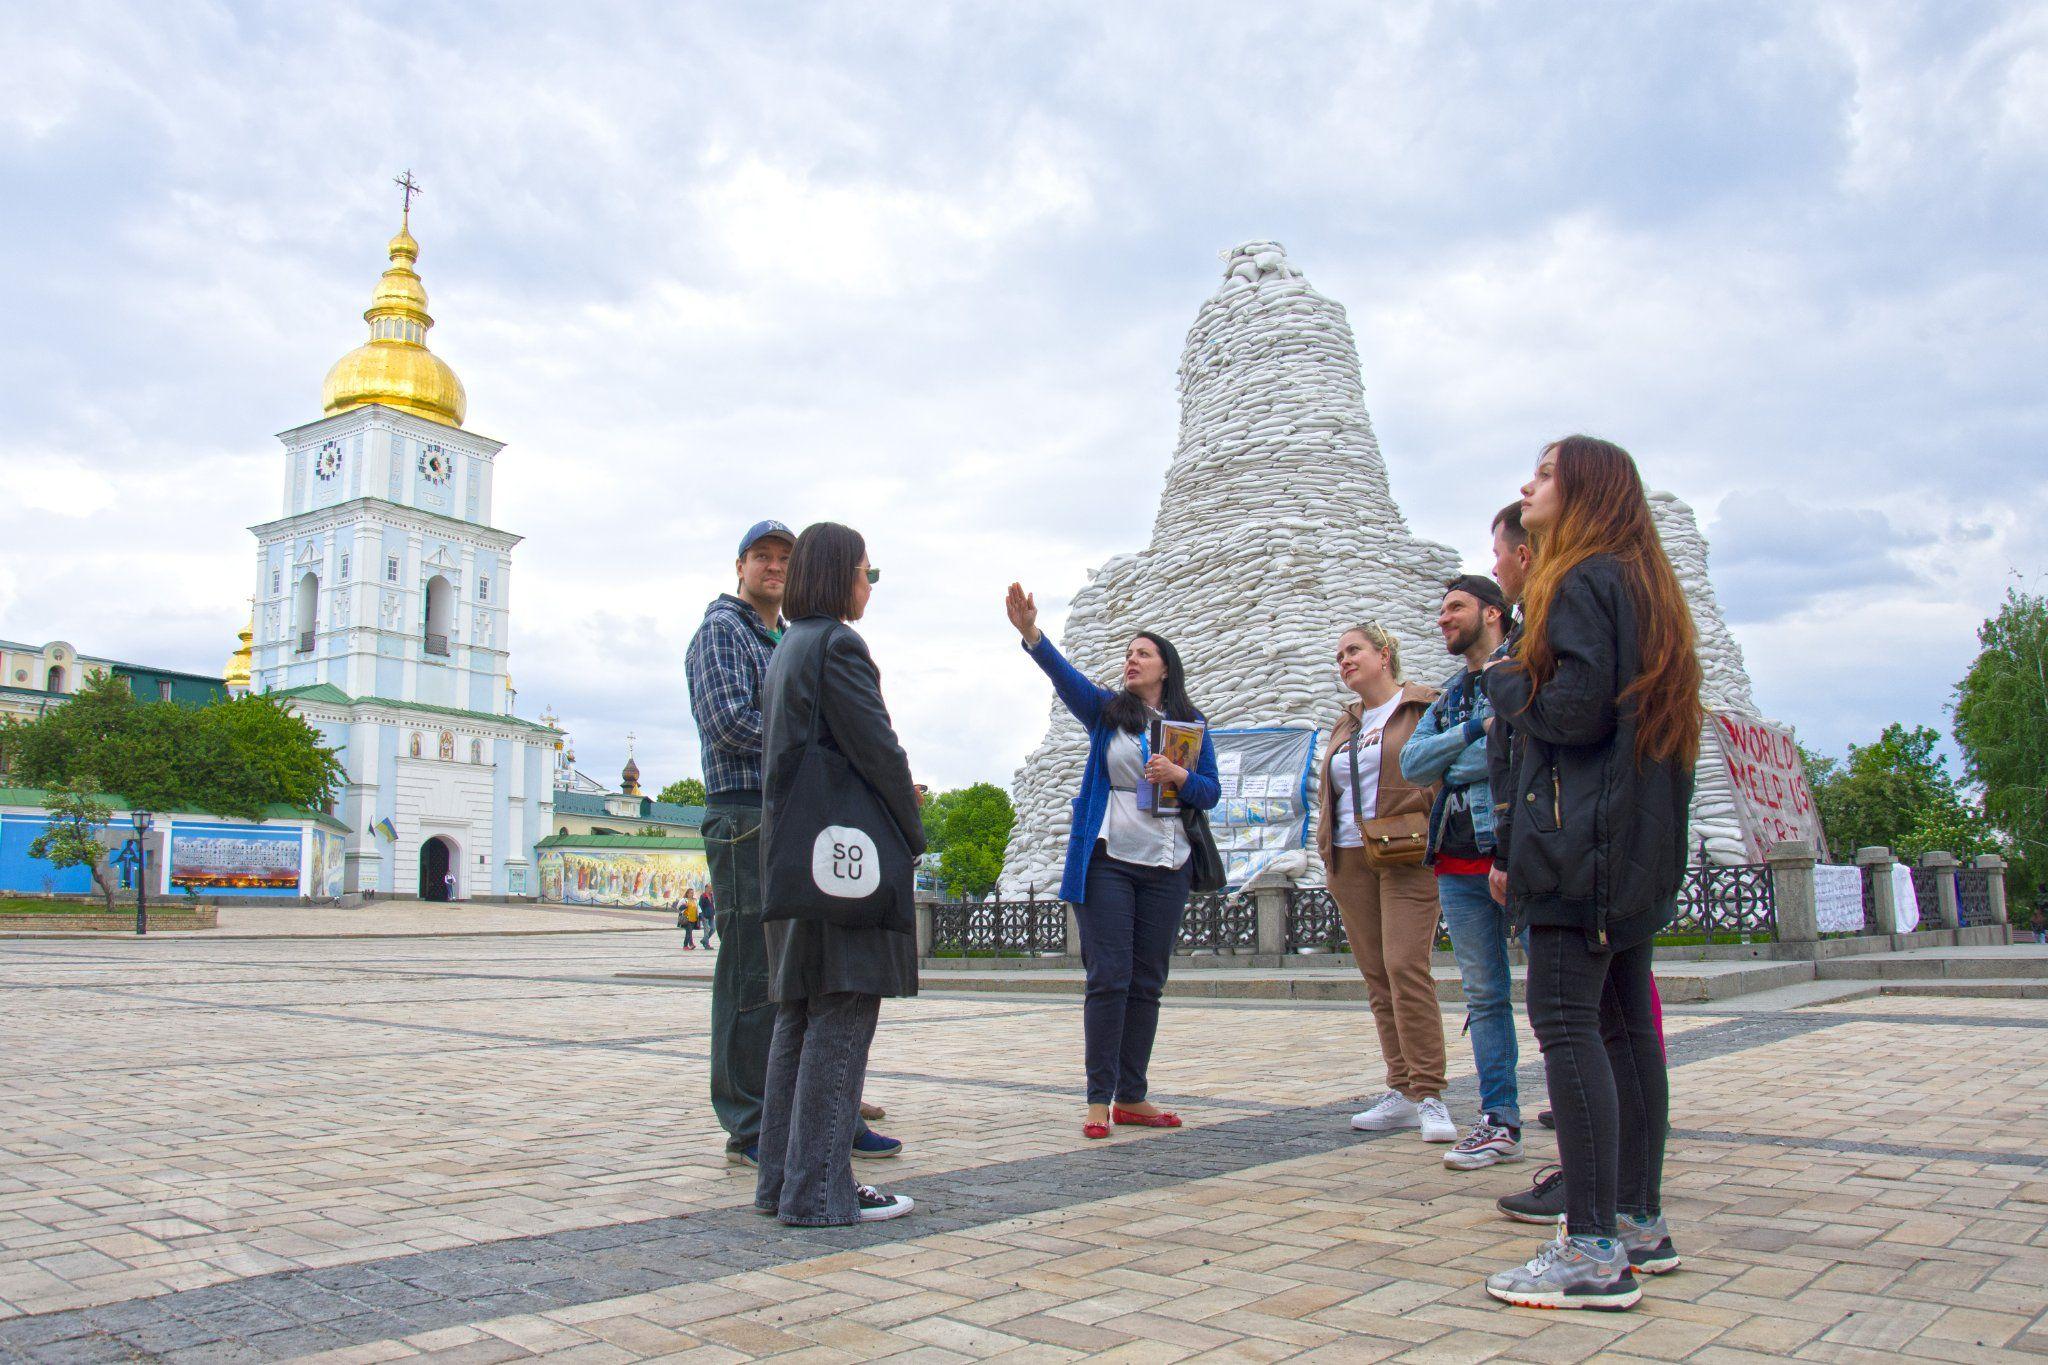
<point x="811" y="1110"/>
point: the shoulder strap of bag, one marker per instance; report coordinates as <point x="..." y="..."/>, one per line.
<point x="818" y="693"/>
<point x="1351" y="752"/>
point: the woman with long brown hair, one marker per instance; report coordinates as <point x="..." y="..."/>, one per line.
<point x="1603" y="694"/>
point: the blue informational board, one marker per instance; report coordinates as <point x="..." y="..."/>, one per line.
<point x="1263" y="811"/>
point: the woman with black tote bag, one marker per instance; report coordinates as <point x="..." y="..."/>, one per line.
<point x="839" y="835"/>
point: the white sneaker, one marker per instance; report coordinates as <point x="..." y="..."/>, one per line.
<point x="876" y="1207"/>
<point x="1391" y="1110"/>
<point x="1434" y="1116"/>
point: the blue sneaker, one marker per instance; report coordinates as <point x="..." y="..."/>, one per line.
<point x="870" y="1145"/>
<point x="743" y="1156"/>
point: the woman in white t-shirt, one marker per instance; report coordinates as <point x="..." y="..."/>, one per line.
<point x="1389" y="908"/>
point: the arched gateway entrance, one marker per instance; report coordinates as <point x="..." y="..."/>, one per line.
<point x="437" y="860"/>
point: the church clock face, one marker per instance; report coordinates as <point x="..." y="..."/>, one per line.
<point x="436" y="465"/>
<point x="327" y="463"/>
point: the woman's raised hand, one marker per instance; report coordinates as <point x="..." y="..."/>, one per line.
<point x="1023" y="609"/>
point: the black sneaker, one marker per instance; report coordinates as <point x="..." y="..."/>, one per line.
<point x="1542" y="1202"/>
<point x="876" y="1206"/>
<point x="1547" y="1119"/>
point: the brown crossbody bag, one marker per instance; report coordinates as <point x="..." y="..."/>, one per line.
<point x="1390" y="840"/>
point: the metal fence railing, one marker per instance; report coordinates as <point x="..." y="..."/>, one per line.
<point x="1733" y="898"/>
<point x="1313" y="923"/>
<point x="1973" y="896"/>
<point x="1220" y="923"/>
<point x="999" y="928"/>
<point x="1927" y="894"/>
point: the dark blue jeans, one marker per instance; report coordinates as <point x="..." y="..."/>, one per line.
<point x="742" y="1019"/>
<point x="1128" y="926"/>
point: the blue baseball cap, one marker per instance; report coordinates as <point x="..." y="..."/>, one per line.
<point x="761" y="530"/>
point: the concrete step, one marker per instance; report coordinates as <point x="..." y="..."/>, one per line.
<point x="1678" y="982"/>
<point x="2018" y="961"/>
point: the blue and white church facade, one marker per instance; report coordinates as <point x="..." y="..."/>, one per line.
<point x="383" y="616"/>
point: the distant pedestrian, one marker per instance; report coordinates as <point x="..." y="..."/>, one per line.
<point x="1603" y="692"/>
<point x="707" y="916"/>
<point x="689" y="917"/>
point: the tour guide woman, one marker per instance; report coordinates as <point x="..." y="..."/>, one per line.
<point x="1603" y="693"/>
<point x="827" y="981"/>
<point x="1386" y="895"/>
<point x="1128" y="870"/>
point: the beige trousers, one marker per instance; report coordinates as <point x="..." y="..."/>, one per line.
<point x="1390" y="917"/>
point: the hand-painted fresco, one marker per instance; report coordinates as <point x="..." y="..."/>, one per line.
<point x="656" y="878"/>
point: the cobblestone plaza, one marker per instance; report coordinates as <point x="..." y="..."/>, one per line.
<point x="487" y="1147"/>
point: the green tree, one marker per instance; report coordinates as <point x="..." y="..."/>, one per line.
<point x="231" y="757"/>
<point x="1896" y="792"/>
<point x="2001" y="726"/>
<point x="969" y="829"/>
<point x="73" y="838"/>
<point x="684" y="791"/>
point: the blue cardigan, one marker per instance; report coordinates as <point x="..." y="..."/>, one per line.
<point x="1086" y="700"/>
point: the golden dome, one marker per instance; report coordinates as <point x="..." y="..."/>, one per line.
<point x="394" y="367"/>
<point x="237" y="671"/>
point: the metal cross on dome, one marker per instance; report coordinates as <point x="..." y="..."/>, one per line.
<point x="410" y="187"/>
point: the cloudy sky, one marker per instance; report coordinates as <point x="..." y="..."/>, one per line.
<point x="927" y="268"/>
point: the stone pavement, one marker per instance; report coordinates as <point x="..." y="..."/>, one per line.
<point x="480" y="1149"/>
<point x="407" y="919"/>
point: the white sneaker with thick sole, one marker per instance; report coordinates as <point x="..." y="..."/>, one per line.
<point x="1488" y="1144"/>
<point x="1391" y="1110"/>
<point x="1433" y="1116"/>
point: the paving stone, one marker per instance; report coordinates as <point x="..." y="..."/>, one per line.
<point x="508" y="1153"/>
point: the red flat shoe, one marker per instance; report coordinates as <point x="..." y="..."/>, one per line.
<point x="1161" y="1120"/>
<point x="1094" y="1130"/>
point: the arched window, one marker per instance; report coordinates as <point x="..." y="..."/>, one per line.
<point x="304" y="606"/>
<point x="56" y="682"/>
<point x="440" y="614"/>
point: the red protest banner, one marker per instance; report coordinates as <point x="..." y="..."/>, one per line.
<point x="1769" y="781"/>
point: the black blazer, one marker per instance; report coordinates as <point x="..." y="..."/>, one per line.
<point x="1598" y="839"/>
<point x="807" y="958"/>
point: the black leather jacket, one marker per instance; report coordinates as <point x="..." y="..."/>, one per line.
<point x="1598" y="839"/>
<point x="807" y="958"/>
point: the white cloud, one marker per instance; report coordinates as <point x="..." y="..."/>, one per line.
<point x="929" y="273"/>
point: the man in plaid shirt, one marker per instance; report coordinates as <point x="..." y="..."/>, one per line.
<point x="727" y="658"/>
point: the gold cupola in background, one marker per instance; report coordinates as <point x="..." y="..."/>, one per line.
<point x="236" y="674"/>
<point x="394" y="367"/>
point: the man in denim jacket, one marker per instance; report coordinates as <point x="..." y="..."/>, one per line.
<point x="1448" y="748"/>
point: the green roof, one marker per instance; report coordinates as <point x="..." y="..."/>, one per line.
<point x="334" y="696"/>
<point x="591" y="805"/>
<point x="681" y="843"/>
<point x="276" y="810"/>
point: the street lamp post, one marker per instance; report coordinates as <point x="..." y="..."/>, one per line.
<point x="142" y="823"/>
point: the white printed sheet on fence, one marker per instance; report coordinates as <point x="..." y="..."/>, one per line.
<point x="1838" y="898"/>
<point x="1905" y="904"/>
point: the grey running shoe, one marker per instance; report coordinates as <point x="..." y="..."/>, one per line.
<point x="1542" y="1202"/>
<point x="1571" y="1272"/>
<point x="1648" y="1243"/>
